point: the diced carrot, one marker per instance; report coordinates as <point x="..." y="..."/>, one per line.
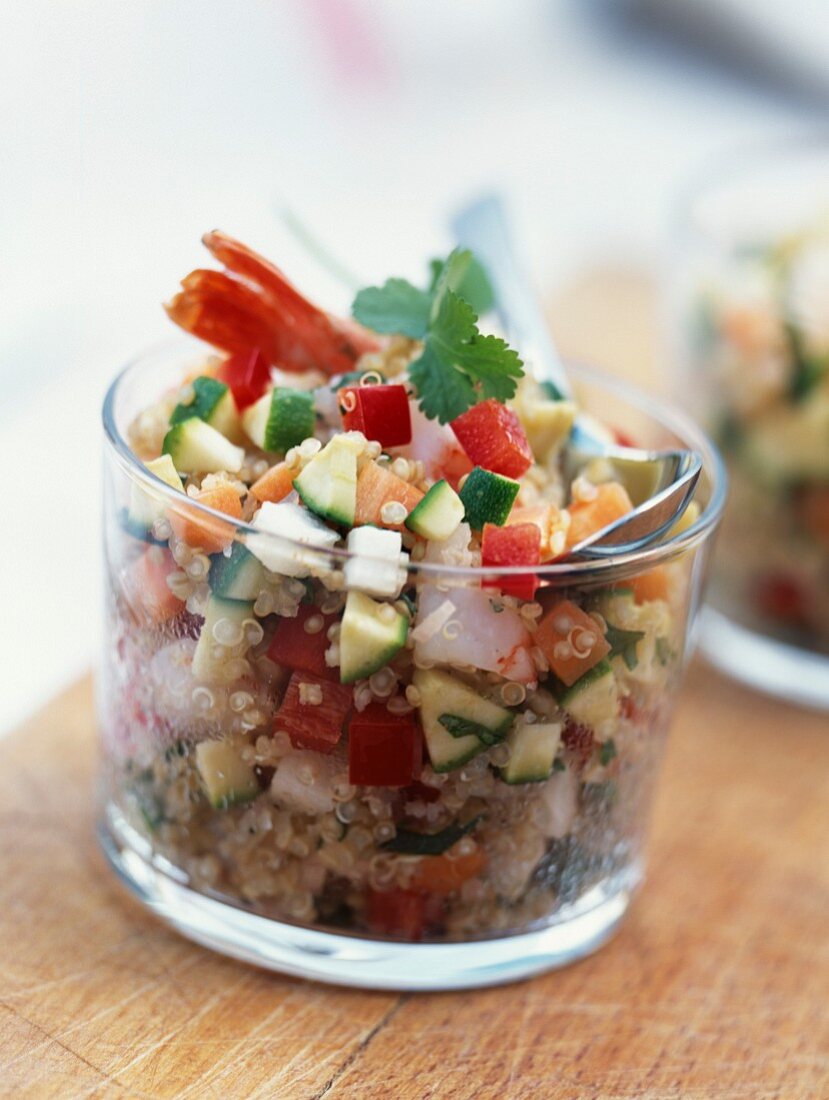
<point x="610" y="503"/>
<point x="205" y="532"/>
<point x="652" y="585"/>
<point x="443" y="874"/>
<point x="376" y="487"/>
<point x="571" y="641"/>
<point x="275" y="484"/>
<point x="146" y="588"/>
<point x="547" y="519"/>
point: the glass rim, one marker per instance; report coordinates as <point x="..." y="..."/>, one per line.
<point x="739" y="164"/>
<point x="662" y="411"/>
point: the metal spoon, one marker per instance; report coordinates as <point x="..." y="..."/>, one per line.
<point x="660" y="483"/>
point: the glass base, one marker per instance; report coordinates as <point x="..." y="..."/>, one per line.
<point x="764" y="663"/>
<point x="355" y="960"/>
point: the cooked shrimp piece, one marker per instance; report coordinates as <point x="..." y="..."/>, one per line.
<point x="251" y="305"/>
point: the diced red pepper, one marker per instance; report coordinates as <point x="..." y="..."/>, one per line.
<point x="381" y="413"/>
<point x="310" y="724"/>
<point x="782" y="597"/>
<point x="384" y="749"/>
<point x="492" y="436"/>
<point x="248" y="373"/>
<point x="519" y="544"/>
<point x="294" y="646"/>
<point x="396" y="913"/>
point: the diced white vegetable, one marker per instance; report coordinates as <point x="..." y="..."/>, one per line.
<point x="452" y="551"/>
<point x="304" y="782"/>
<point x="380" y="569"/>
<point x="558" y="803"/>
<point x="290" y="521"/>
<point x="477" y="634"/>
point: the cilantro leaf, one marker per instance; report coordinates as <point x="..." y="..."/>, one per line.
<point x="463" y="727"/>
<point x="607" y="752"/>
<point x="396" y="306"/>
<point x="467" y="277"/>
<point x="443" y="394"/>
<point x="623" y="644"/>
<point x="429" y="844"/>
<point x="460" y="366"/>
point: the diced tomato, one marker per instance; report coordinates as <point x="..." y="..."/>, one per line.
<point x="571" y="641"/>
<point x="275" y="484"/>
<point x="384" y="749"/>
<point x="518" y="544"/>
<point x="376" y="487"/>
<point x="492" y="436"/>
<point x="782" y="597"/>
<point x="396" y="913"/>
<point x="293" y="646"/>
<point x="610" y="503"/>
<point x="206" y="532"/>
<point x="548" y="520"/>
<point x="314" y="725"/>
<point x="248" y="373"/>
<point x="379" y="412"/>
<point x="444" y="874"/>
<point x="578" y="742"/>
<point x="146" y="588"/>
<point x="652" y="585"/>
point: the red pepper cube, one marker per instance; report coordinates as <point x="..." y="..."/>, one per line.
<point x="248" y="373"/>
<point x="384" y="749"/>
<point x="396" y="912"/>
<point x="519" y="544"/>
<point x="381" y="413"/>
<point x="295" y="646"/>
<point x="492" y="436"/>
<point x="314" y="712"/>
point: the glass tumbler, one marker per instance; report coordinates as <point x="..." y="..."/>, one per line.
<point x="269" y="812"/>
<point x="750" y="321"/>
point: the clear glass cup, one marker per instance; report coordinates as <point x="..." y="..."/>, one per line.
<point x="292" y="867"/>
<point x="750" y="323"/>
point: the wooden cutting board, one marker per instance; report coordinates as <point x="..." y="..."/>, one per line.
<point x="716" y="987"/>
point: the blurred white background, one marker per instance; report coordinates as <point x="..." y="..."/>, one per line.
<point x="128" y="130"/>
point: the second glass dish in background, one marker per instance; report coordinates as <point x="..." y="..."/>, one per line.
<point x="750" y="321"/>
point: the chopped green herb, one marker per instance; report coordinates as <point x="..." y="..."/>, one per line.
<point x="607" y="752"/>
<point x="496" y="607"/>
<point x="429" y="844"/>
<point x="665" y="652"/>
<point x="808" y="369"/>
<point x="352" y="378"/>
<point x="623" y="644"/>
<point x="459" y="366"/>
<point x="559" y="765"/>
<point x="463" y="727"/>
<point x="551" y="390"/>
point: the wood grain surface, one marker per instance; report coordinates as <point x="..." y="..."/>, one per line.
<point x="716" y="987"/>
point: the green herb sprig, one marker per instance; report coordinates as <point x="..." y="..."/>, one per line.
<point x="459" y="365"/>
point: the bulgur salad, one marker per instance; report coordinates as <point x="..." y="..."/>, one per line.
<point x="760" y="329"/>
<point x="341" y="690"/>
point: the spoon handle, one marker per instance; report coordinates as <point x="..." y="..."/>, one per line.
<point x="482" y="227"/>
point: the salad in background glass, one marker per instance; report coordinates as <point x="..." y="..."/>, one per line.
<point x="361" y="718"/>
<point x="753" y="324"/>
